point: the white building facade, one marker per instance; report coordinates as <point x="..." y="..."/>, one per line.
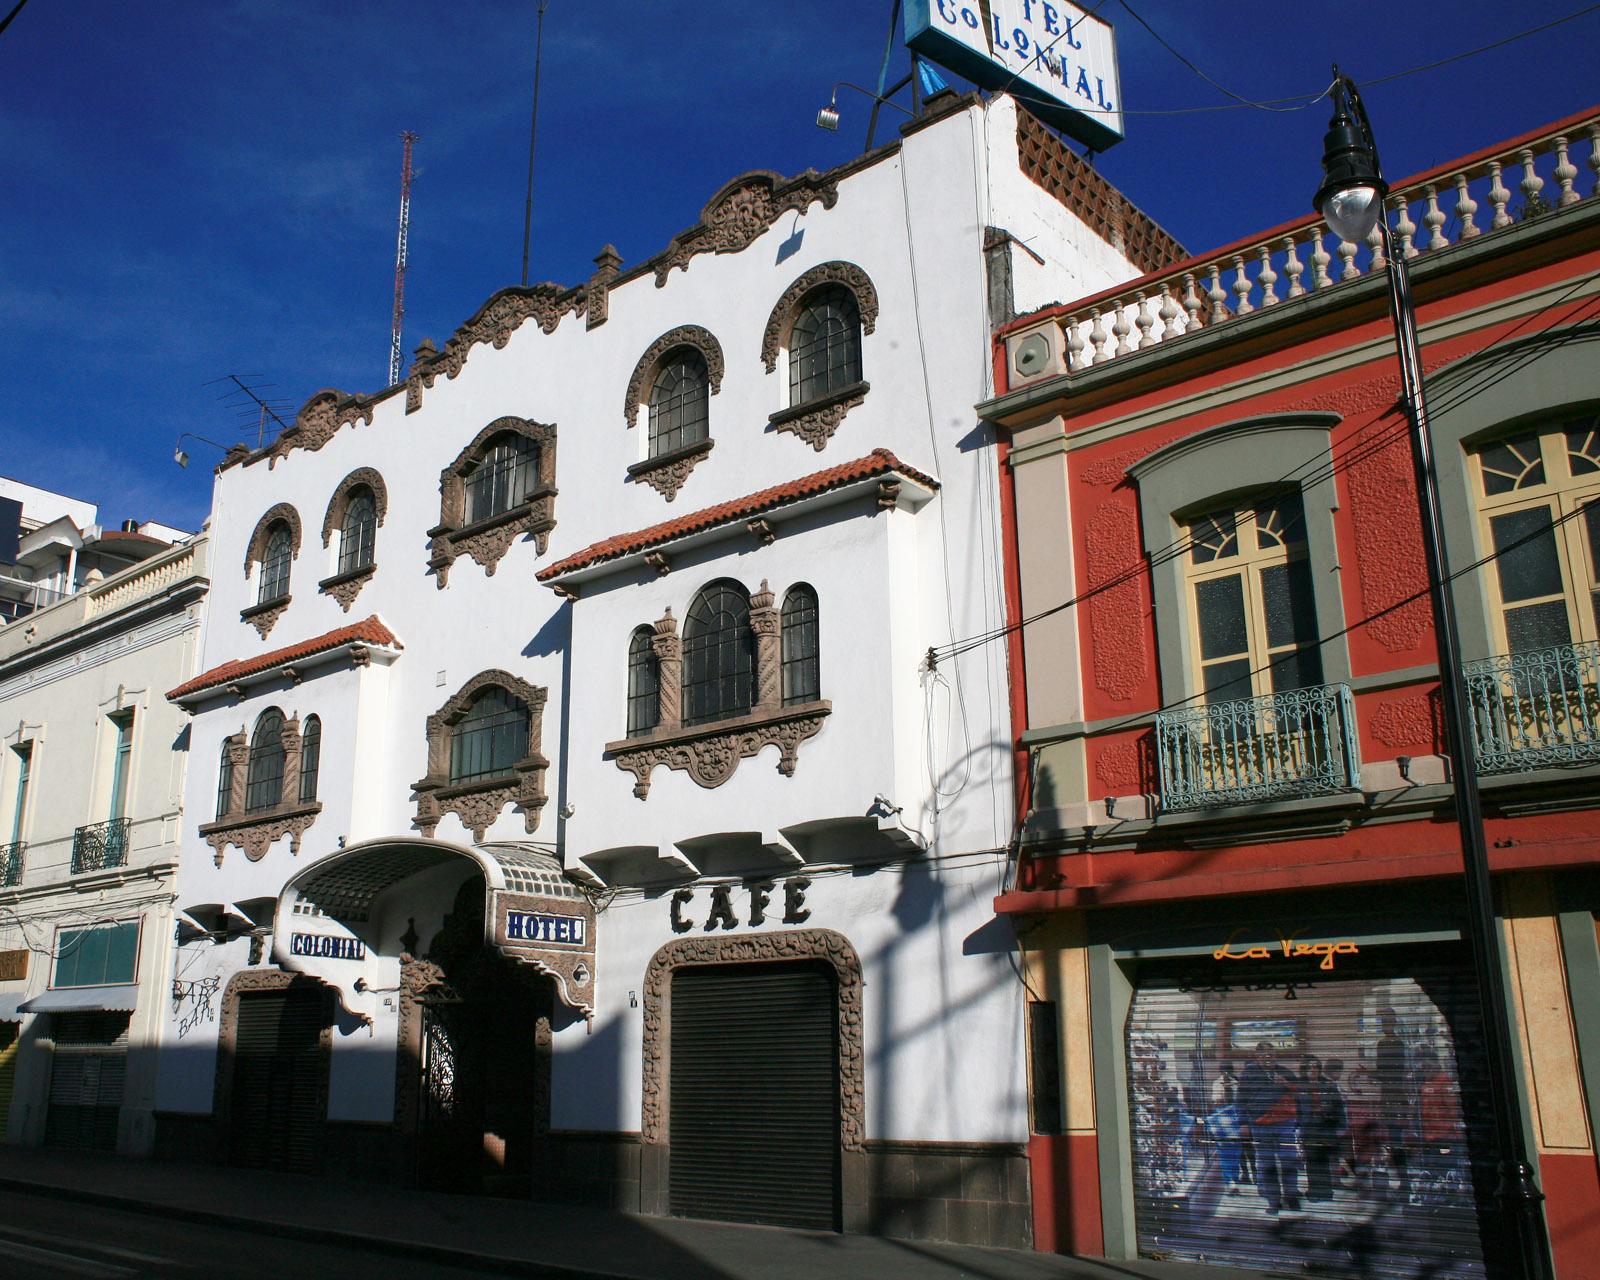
<point x="573" y="807"/>
<point x="91" y="792"/>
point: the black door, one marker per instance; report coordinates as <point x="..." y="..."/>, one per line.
<point x="753" y="1120"/>
<point x="450" y="1149"/>
<point x="86" y="1078"/>
<point x="280" y="1080"/>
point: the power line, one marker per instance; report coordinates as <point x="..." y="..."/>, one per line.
<point x="1359" y="449"/>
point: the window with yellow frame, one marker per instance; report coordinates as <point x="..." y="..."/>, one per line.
<point x="1253" y="622"/>
<point x="1539" y="512"/>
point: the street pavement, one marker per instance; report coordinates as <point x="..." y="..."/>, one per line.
<point x="81" y="1214"/>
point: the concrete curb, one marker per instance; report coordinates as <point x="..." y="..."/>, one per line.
<point x="415" y="1249"/>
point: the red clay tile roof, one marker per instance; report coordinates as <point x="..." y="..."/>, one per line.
<point x="367" y="631"/>
<point x="878" y="462"/>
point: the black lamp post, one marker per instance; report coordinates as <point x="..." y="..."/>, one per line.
<point x="1351" y="198"/>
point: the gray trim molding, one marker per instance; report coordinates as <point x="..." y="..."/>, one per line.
<point x="1491" y="393"/>
<point x="1202" y="470"/>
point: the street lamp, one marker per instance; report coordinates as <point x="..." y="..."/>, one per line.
<point x="181" y="456"/>
<point x="1351" y="198"/>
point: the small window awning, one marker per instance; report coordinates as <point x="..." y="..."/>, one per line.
<point x="119" y="999"/>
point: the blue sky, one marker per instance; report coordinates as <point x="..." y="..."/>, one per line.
<point x="202" y="187"/>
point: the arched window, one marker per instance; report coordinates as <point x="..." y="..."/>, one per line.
<point x="224" y="781"/>
<point x="824" y="344"/>
<point x="264" y="781"/>
<point x="359" y="531"/>
<point x="275" y="563"/>
<point x="680" y="402"/>
<point x="802" y="677"/>
<point x="502" y="478"/>
<point x="718" y="654"/>
<point x="644" y="683"/>
<point x="490" y="738"/>
<point x="310" y="758"/>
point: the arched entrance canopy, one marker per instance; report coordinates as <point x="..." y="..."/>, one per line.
<point x="336" y="919"/>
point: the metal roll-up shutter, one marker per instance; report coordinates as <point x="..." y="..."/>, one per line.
<point x="86" y="1079"/>
<point x="278" y="1080"/>
<point x="1358" y="1142"/>
<point x="753" y="1121"/>
<point x="10" y="1044"/>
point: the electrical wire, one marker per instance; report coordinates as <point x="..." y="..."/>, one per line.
<point x="1308" y="99"/>
<point x="1357" y="451"/>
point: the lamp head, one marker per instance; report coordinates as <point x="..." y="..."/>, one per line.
<point x="1352" y="190"/>
<point x="828" y="117"/>
<point x="180" y="457"/>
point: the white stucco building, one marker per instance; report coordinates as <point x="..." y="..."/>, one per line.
<point x="572" y="804"/>
<point x="91" y="790"/>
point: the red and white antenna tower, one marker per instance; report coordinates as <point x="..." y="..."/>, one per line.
<point x="400" y="260"/>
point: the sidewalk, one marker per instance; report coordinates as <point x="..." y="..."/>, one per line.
<point x="553" y="1242"/>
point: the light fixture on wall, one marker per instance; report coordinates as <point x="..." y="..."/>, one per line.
<point x="181" y="457"/>
<point x="1111" y="806"/>
<point x="1405" y="767"/>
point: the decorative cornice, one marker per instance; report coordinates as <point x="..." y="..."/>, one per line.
<point x="345" y="587"/>
<point x="254" y="833"/>
<point x="741" y="211"/>
<point x="847" y="274"/>
<point x="709" y="753"/>
<point x="817" y="420"/>
<point x="318" y="421"/>
<point x="756" y="948"/>
<point x="493" y="323"/>
<point x="264" y="616"/>
<point x="256" y="548"/>
<point x="667" y="472"/>
<point x="644" y="373"/>
<point x="340" y="502"/>
<point x="487" y="541"/>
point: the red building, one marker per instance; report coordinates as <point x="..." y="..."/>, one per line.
<point x="1255" y="1035"/>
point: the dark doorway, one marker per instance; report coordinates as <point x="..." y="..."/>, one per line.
<point x="280" y="1079"/>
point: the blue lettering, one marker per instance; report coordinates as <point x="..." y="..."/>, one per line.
<point x="1051" y="17"/>
<point x="999" y="40"/>
<point x="1100" y="86"/>
<point x="1019" y="37"/>
<point x="1027" y="10"/>
<point x="946" y="12"/>
<point x="1082" y="89"/>
<point x="1071" y="39"/>
<point x="970" y="18"/>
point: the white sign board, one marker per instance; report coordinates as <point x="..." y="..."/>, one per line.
<point x="1054" y="56"/>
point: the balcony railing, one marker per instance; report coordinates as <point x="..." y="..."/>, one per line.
<point x="100" y="846"/>
<point x="1536" y="709"/>
<point x="1301" y="742"/>
<point x="11" y="863"/>
<point x="1431" y="213"/>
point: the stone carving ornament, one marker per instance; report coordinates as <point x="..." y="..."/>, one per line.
<point x="756" y="948"/>
<point x="741" y="211"/>
<point x="318" y="421"/>
<point x="644" y="373"/>
<point x="480" y="802"/>
<point x="254" y="832"/>
<point x="710" y="753"/>
<point x="666" y="475"/>
<point x="494" y="323"/>
<point x="418" y="979"/>
<point x="816" y="422"/>
<point x="779" y="322"/>
<point x="487" y="541"/>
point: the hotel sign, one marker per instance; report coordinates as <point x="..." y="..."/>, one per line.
<point x="555" y="935"/>
<point x="324" y="946"/>
<point x="1059" y="59"/>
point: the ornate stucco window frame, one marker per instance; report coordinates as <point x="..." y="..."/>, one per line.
<point x="710" y="752"/>
<point x="254" y="832"/>
<point x="479" y="803"/>
<point x="486" y="541"/>
<point x="666" y="472"/>
<point x="345" y="587"/>
<point x="815" y="421"/>
<point x="264" y="614"/>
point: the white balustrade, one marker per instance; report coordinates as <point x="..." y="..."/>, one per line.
<point x="1427" y="216"/>
<point x="140" y="583"/>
